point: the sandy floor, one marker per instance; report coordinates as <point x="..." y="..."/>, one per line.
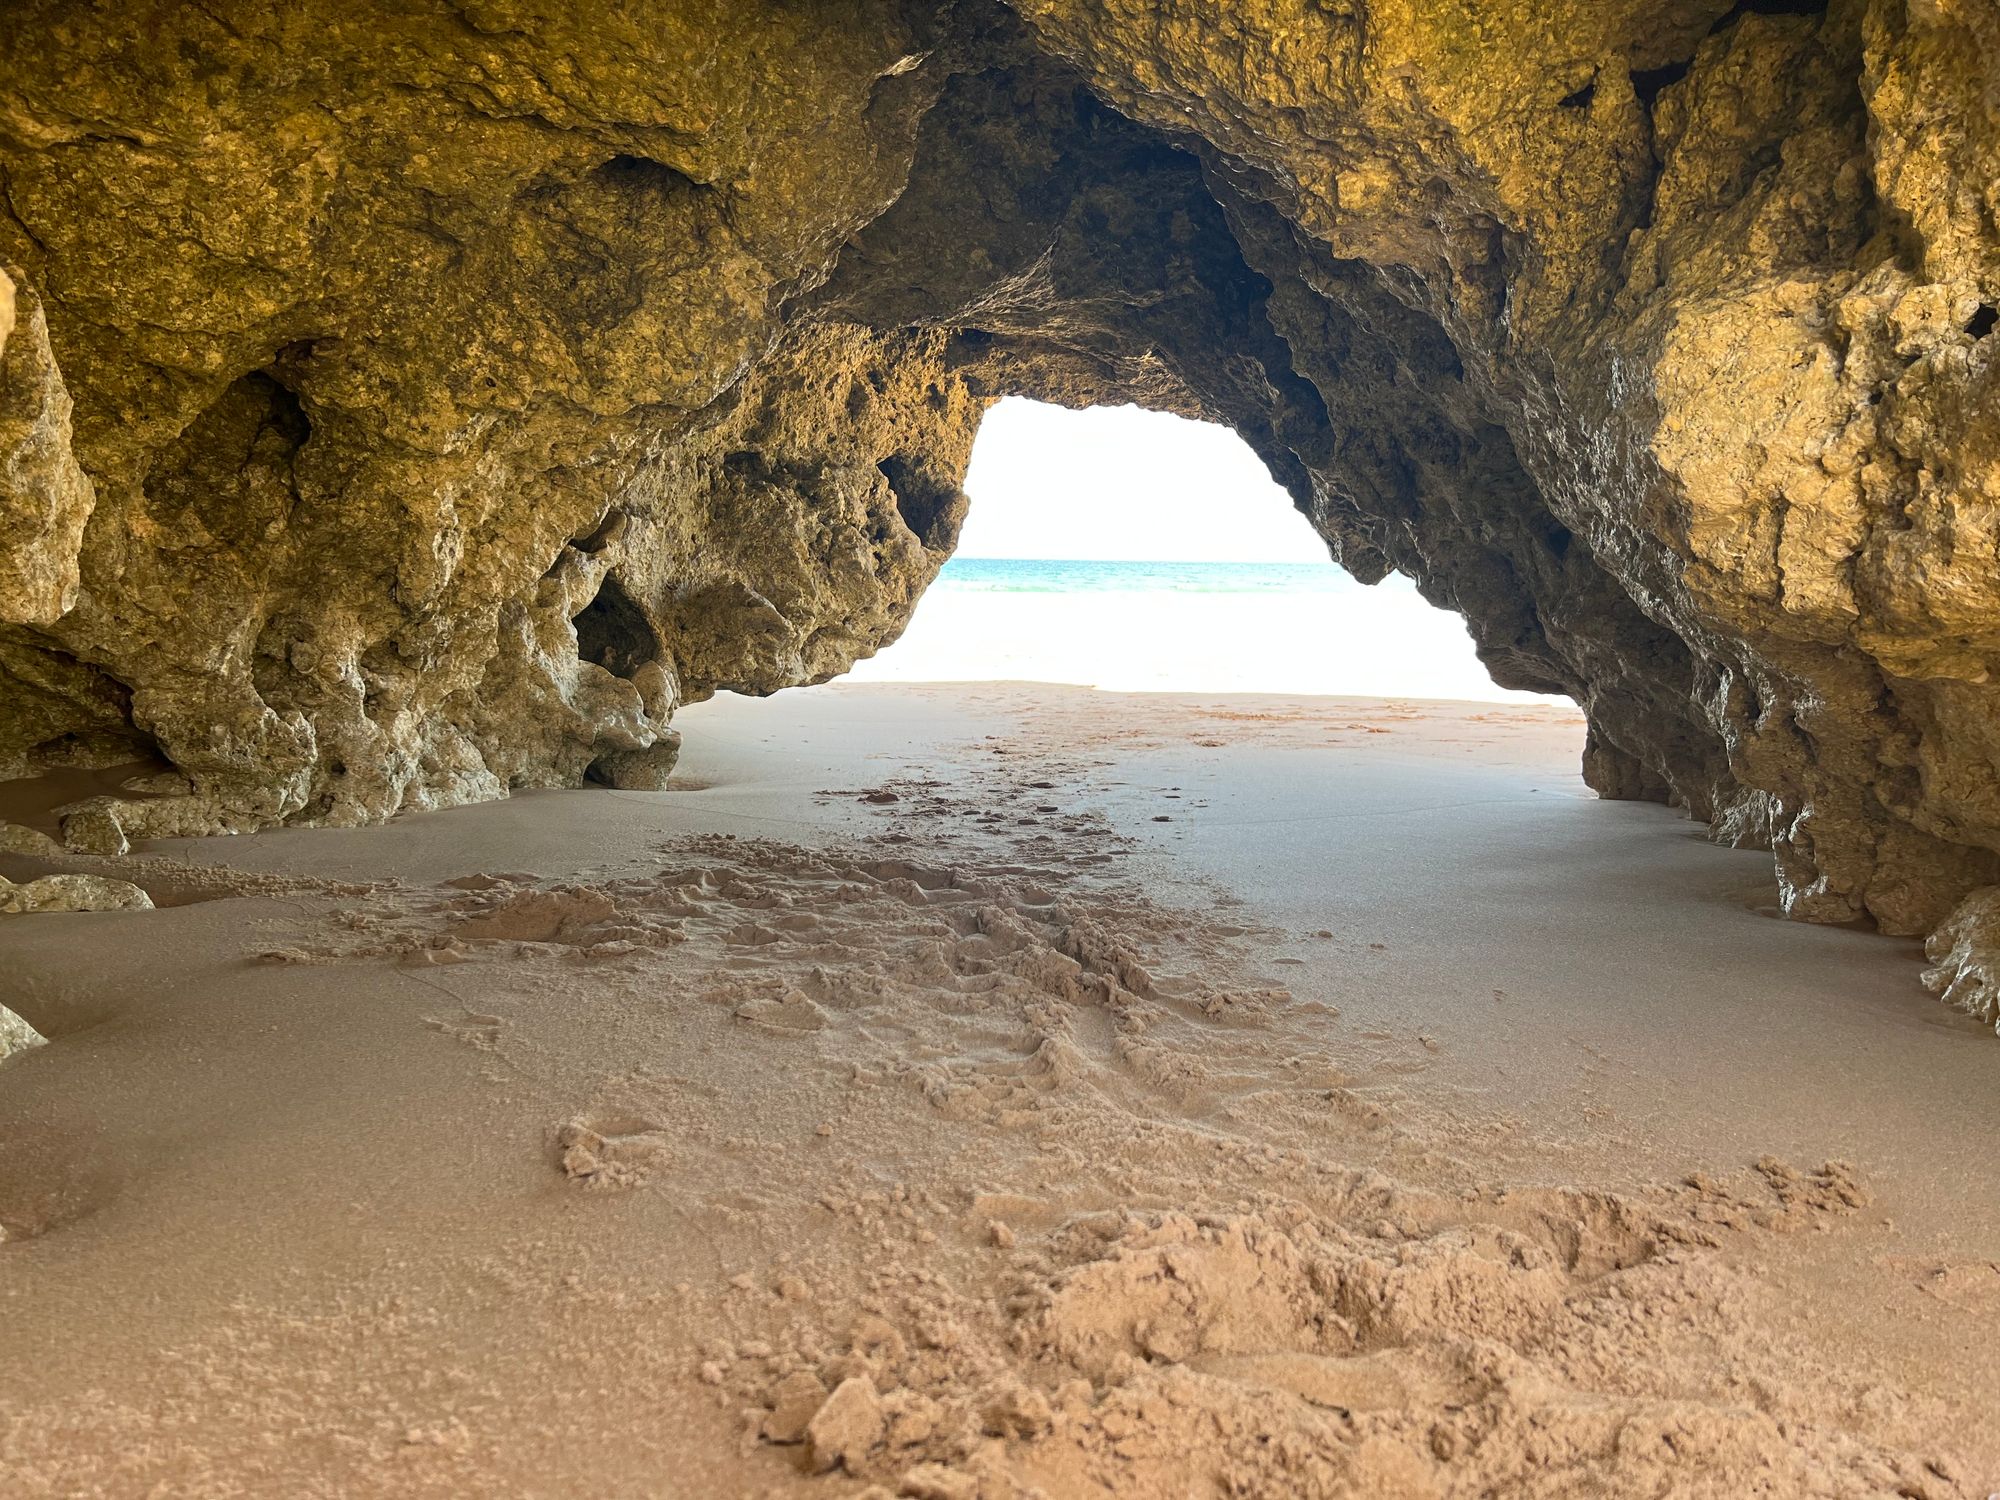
<point x="988" y="1090"/>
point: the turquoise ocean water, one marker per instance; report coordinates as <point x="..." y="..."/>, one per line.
<point x="1014" y="575"/>
<point x="1293" y="627"/>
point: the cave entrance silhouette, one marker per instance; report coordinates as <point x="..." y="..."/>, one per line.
<point x="1136" y="550"/>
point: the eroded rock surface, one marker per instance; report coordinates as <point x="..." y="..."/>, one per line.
<point x="406" y="405"/>
<point x="72" y="893"/>
<point x="16" y="1035"/>
<point x="1965" y="956"/>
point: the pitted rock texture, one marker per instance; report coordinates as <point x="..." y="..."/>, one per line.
<point x="72" y="893"/>
<point x="406" y="404"/>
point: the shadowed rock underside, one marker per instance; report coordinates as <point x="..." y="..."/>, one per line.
<point x="403" y="404"/>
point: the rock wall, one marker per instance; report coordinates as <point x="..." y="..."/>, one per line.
<point x="403" y="403"/>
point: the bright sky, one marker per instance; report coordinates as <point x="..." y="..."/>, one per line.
<point x="1117" y="483"/>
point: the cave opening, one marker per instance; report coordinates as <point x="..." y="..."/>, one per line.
<point x="1138" y="550"/>
<point x="1233" y="1005"/>
<point x="612" y="631"/>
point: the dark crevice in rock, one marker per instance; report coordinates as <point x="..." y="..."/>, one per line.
<point x="289" y="365"/>
<point x="1649" y="83"/>
<point x="232" y="469"/>
<point x="922" y="502"/>
<point x="1744" y="8"/>
<point x="47" y="683"/>
<point x="287" y="418"/>
<point x="612" y="632"/>
<point x="603" y="534"/>
<point x="282" y="413"/>
<point x="1581" y="98"/>
<point x="641" y="174"/>
<point x="1981" y="322"/>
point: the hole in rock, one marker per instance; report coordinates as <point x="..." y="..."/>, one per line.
<point x="922" y="501"/>
<point x="641" y="174"/>
<point x="1649" y="83"/>
<point x="603" y="534"/>
<point x="612" y="632"/>
<point x="1138" y="551"/>
<point x="1981" y="323"/>
<point x="1581" y="98"/>
<point x="257" y="426"/>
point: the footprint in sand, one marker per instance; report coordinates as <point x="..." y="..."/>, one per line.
<point x="610" y="1153"/>
<point x="1973" y="1285"/>
<point x="560" y="915"/>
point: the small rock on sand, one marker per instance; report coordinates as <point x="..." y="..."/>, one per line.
<point x="16" y="1035"/>
<point x="94" y="827"/>
<point x="620" y="1156"/>
<point x="73" y="893"/>
<point x="846" y="1426"/>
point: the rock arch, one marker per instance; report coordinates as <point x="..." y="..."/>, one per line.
<point x="1655" y="339"/>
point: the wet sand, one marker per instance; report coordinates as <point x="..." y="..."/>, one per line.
<point x="986" y="1090"/>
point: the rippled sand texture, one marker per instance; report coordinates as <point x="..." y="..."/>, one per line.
<point x="969" y="1119"/>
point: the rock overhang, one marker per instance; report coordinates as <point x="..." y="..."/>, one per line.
<point x="401" y="407"/>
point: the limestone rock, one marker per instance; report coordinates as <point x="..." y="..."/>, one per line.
<point x="16" y="1035"/>
<point x="95" y="827"/>
<point x="1965" y="956"/>
<point x="17" y="839"/>
<point x="45" y="498"/>
<point x="73" y="893"/>
<point x="398" y="408"/>
<point x="644" y="769"/>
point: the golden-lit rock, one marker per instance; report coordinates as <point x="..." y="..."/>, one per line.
<point x="458" y="392"/>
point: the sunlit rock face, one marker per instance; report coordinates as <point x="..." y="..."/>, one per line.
<point x="403" y="404"/>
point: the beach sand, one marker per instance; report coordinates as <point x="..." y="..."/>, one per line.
<point x="987" y="1090"/>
